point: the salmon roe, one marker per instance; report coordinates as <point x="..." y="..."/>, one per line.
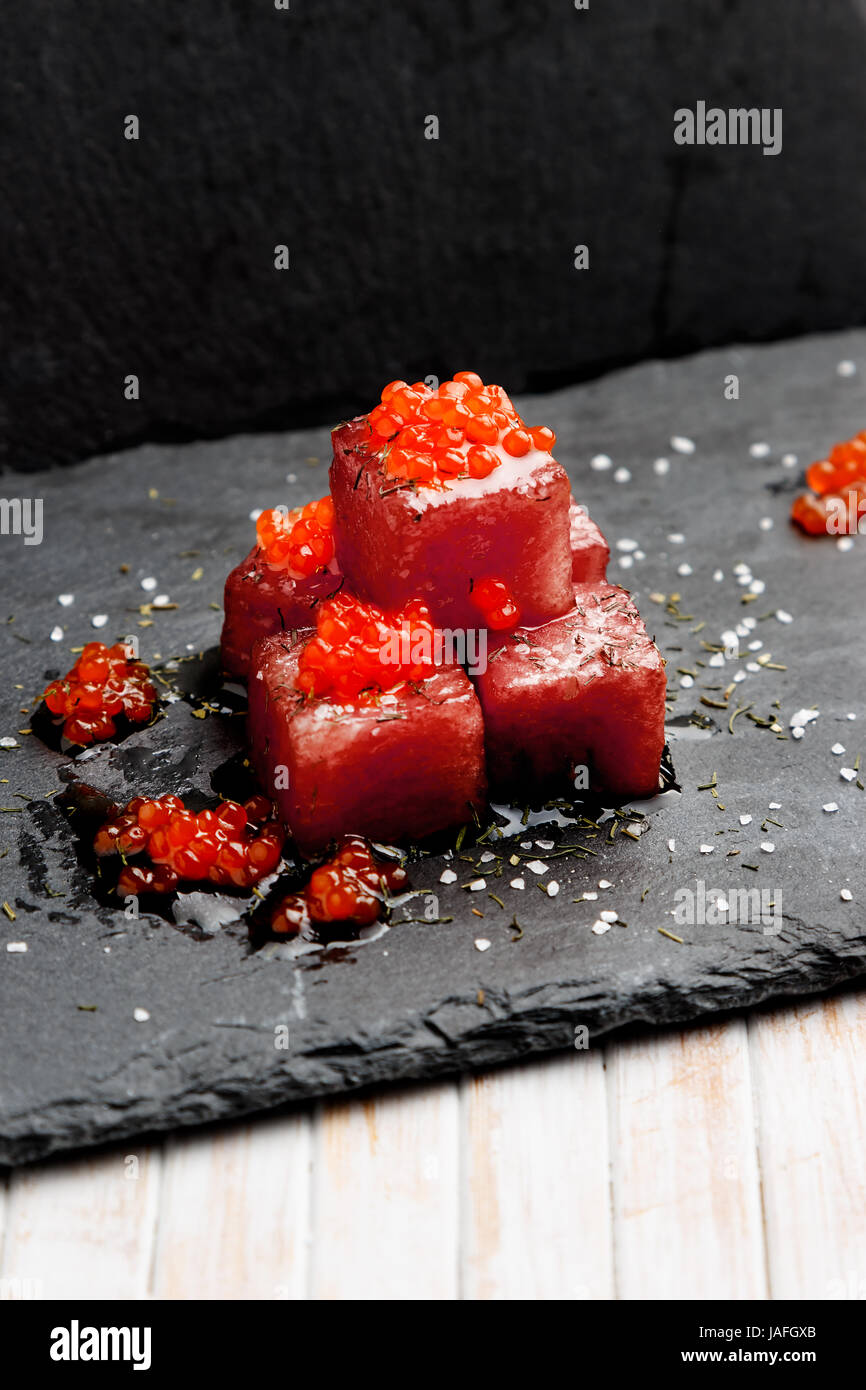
<point x="103" y="685"/>
<point x="351" y="887"/>
<point x="497" y="605"/>
<point x="301" y="540"/>
<point x="234" y="845"/>
<point x="434" y="436"/>
<point x="833" y="513"/>
<point x="359" y="650"/>
<point x="840" y="484"/>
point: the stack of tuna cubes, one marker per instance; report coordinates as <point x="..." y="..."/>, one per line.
<point x="448" y="522"/>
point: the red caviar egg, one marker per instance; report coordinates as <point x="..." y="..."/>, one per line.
<point x="351" y="888"/>
<point x="496" y="602"/>
<point x="431" y="434"/>
<point x="301" y="540"/>
<point x="359" y="650"/>
<point x="233" y="845"/>
<point x="105" y="683"/>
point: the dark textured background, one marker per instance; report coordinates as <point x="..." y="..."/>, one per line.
<point x="261" y="127"/>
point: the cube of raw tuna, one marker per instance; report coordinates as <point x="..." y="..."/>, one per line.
<point x="260" y="600"/>
<point x="589" y="549"/>
<point x="398" y="541"/>
<point x="586" y="690"/>
<point x="401" y="768"/>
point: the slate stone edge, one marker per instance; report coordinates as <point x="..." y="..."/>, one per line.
<point x="524" y="1028"/>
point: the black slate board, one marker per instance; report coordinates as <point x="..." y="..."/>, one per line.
<point x="76" y="1068"/>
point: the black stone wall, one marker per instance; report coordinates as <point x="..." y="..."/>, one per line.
<point x="306" y="127"/>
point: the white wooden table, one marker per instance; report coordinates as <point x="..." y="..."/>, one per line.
<point x="723" y="1161"/>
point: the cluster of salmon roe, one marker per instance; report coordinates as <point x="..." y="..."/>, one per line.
<point x="233" y="846"/>
<point x="840" y="484"/>
<point x="301" y="540"/>
<point x="349" y="888"/>
<point x="359" y="649"/>
<point x="103" y="685"/>
<point x="435" y="436"/>
<point x="497" y="605"/>
<point x="833" y="513"/>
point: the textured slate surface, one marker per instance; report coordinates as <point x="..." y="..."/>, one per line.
<point x="408" y="1005"/>
<point x="305" y="127"/>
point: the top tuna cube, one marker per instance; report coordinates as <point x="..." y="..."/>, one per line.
<point x="447" y="496"/>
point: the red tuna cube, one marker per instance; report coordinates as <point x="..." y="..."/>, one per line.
<point x="397" y="541"/>
<point x="403" y="767"/>
<point x="590" y="551"/>
<point x="586" y="690"/>
<point x="260" y="600"/>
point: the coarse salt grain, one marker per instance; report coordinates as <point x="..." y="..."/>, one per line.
<point x="601" y="462"/>
<point x="518" y="883"/>
<point x="536" y="866"/>
<point x="140" y="1015"/>
<point x="481" y="943"/>
<point x="552" y="888"/>
<point x="447" y="876"/>
<point x="600" y="927"/>
<point x="681" y="444"/>
<point x="478" y="885"/>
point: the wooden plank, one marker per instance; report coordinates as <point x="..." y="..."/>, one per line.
<point x="385" y="1196"/>
<point x="234" y="1212"/>
<point x="808" y="1068"/>
<point x="537" y="1219"/>
<point x="686" y="1188"/>
<point x="84" y="1228"/>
